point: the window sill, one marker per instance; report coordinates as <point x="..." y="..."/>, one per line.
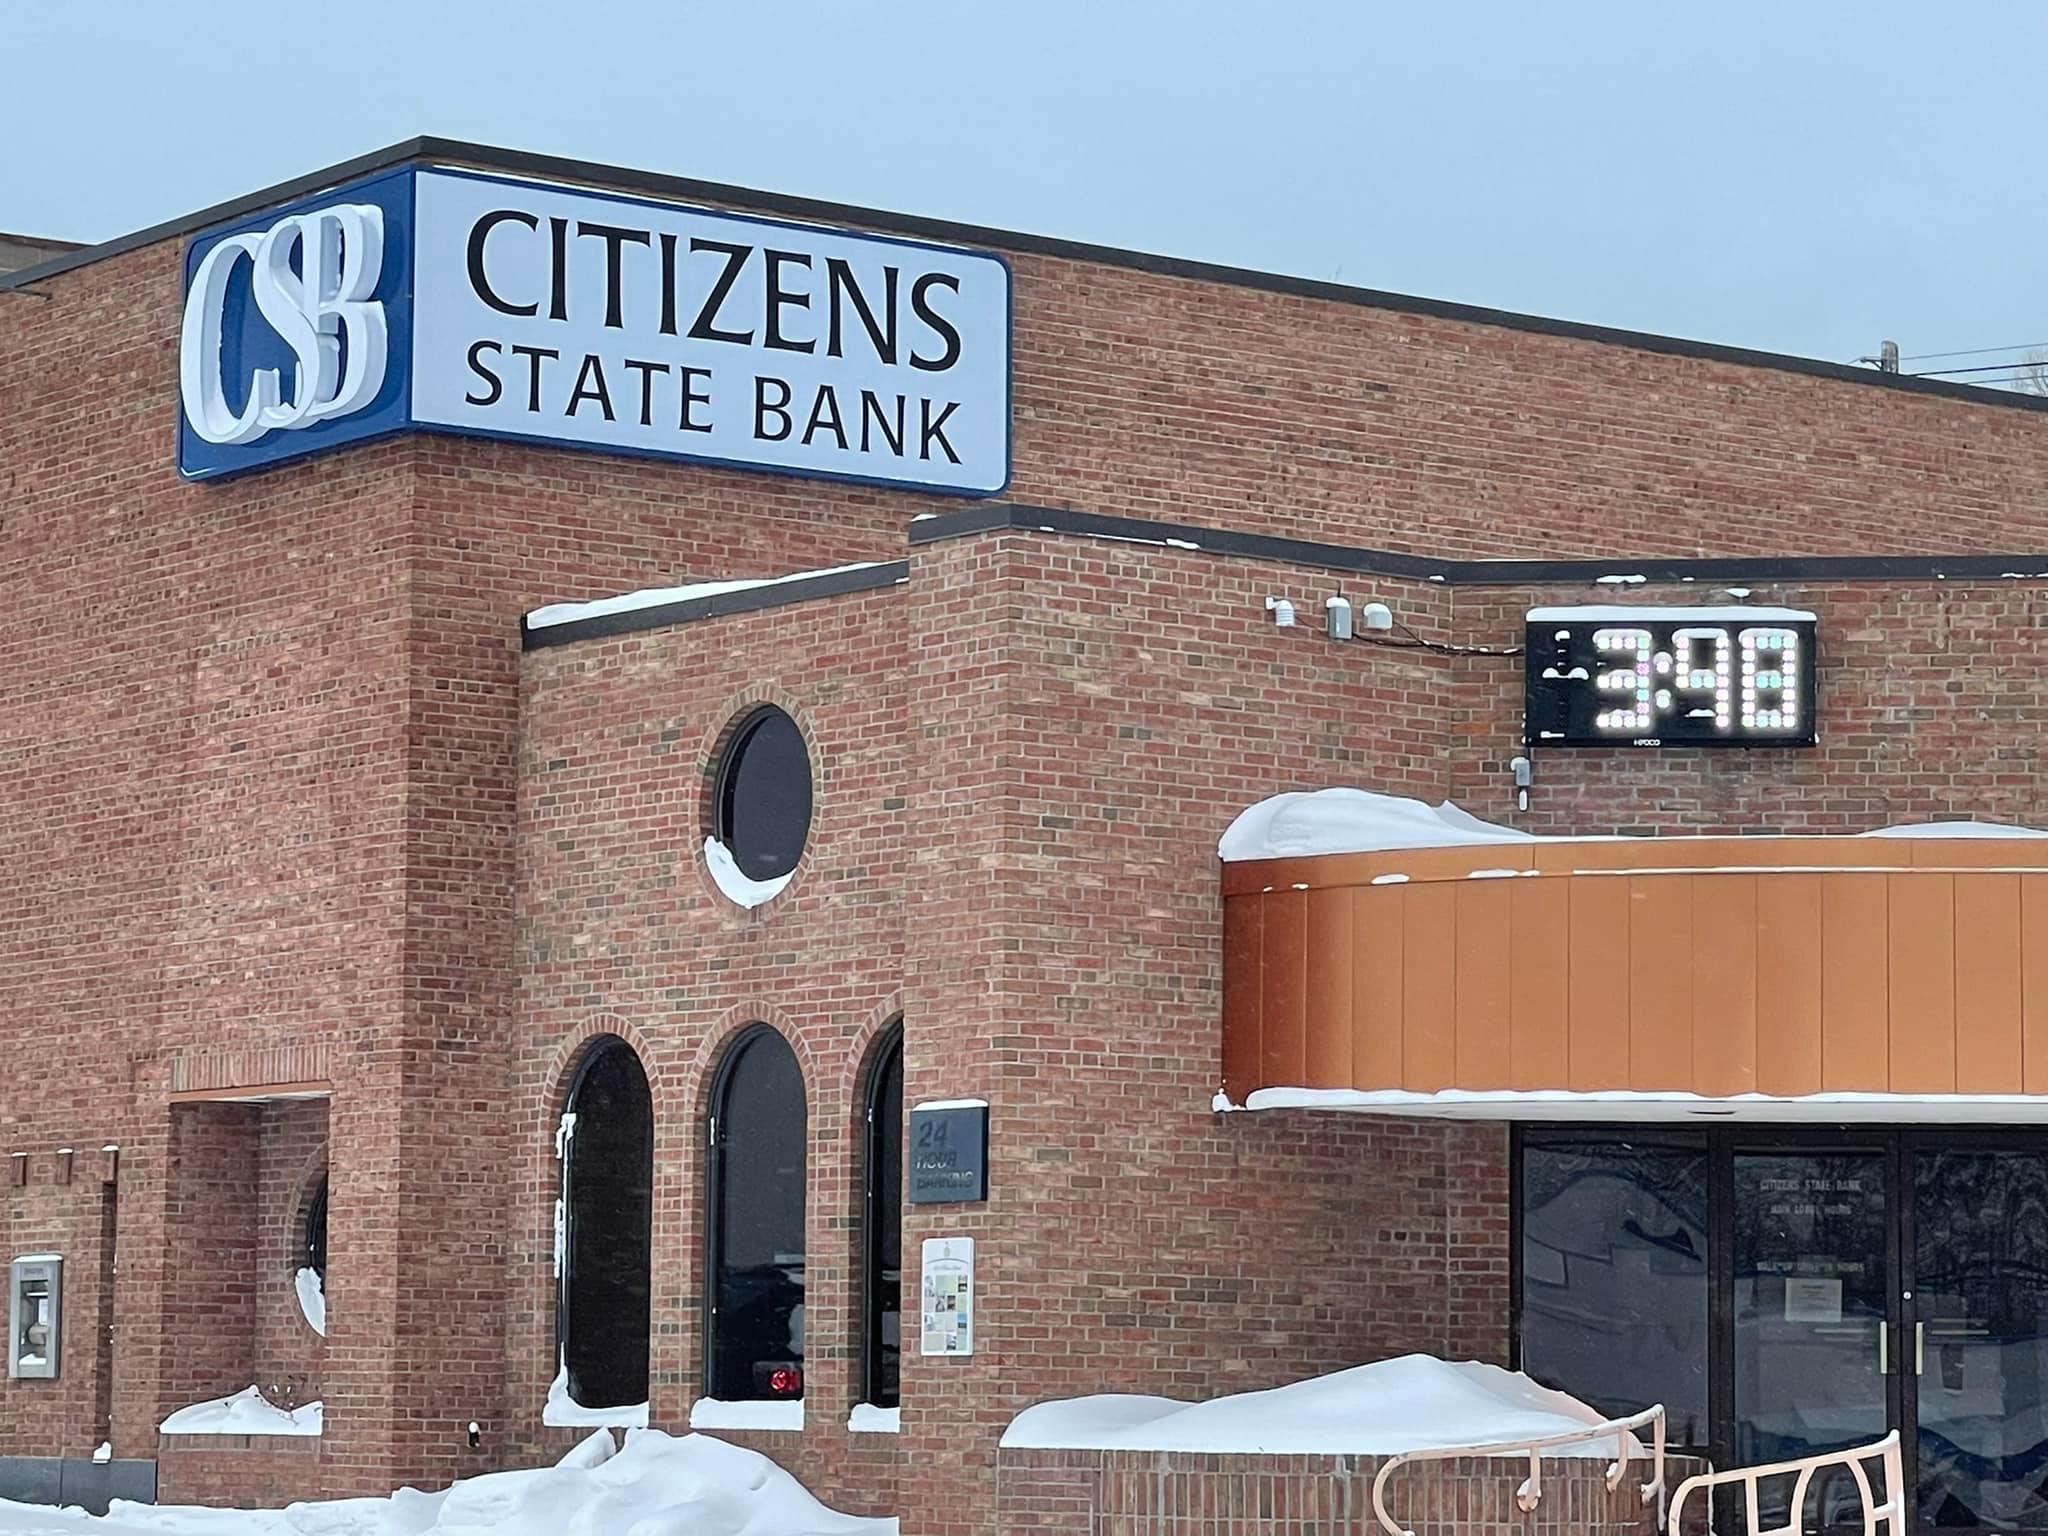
<point x="561" y="1411"/>
<point x="867" y="1419"/>
<point x="781" y="1413"/>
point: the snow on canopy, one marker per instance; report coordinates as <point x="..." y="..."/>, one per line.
<point x="1304" y="823"/>
<point x="1412" y="1403"/>
<point x="1293" y="826"/>
<point x="658" y="1485"/>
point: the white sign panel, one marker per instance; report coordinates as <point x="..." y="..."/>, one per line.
<point x="1812" y="1299"/>
<point x="644" y="327"/>
<point x="948" y="1296"/>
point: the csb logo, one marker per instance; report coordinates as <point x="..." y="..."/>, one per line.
<point x="312" y="278"/>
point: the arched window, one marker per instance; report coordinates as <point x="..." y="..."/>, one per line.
<point x="882" y="1237"/>
<point x="606" y="1240"/>
<point x="754" y="1322"/>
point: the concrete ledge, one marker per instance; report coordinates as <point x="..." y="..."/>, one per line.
<point x="76" y="1480"/>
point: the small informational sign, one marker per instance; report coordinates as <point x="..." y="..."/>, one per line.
<point x="948" y="1296"/>
<point x="1670" y="677"/>
<point x="949" y="1152"/>
<point x="449" y="301"/>
<point x="1812" y="1299"/>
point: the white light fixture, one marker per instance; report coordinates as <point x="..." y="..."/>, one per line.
<point x="1282" y="611"/>
<point x="1376" y="616"/>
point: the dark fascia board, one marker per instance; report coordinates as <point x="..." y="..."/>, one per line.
<point x="778" y="594"/>
<point x="1622" y="574"/>
<point x="431" y="150"/>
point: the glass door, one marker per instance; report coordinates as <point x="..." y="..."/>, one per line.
<point x="1976" y="1364"/>
<point x="1812" y="1366"/>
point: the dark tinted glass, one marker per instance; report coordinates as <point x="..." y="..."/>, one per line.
<point x="316" y="1231"/>
<point x="884" y="1284"/>
<point x="1980" y="1304"/>
<point x="764" y="795"/>
<point x="608" y="1194"/>
<point x="757" y="1224"/>
<point x="1614" y="1277"/>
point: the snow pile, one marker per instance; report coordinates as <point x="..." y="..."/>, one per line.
<point x="867" y="1419"/>
<point x="656" y="1486"/>
<point x="312" y="1299"/>
<point x="660" y="597"/>
<point x="246" y="1412"/>
<point x="1412" y="1403"/>
<point x="1305" y="823"/>
<point x="738" y="886"/>
<point x="562" y="1411"/>
<point x="1294" y="826"/>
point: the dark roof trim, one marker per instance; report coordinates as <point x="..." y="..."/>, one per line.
<point x="1622" y="573"/>
<point x="779" y="594"/>
<point x="555" y="167"/>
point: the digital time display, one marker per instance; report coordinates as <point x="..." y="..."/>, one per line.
<point x="1666" y="677"/>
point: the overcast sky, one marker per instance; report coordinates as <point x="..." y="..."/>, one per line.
<point x="1806" y="177"/>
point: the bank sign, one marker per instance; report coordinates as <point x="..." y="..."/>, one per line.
<point x="447" y="301"/>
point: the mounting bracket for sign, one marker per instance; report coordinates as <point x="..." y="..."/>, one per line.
<point x="1627" y="676"/>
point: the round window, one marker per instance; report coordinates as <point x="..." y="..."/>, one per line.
<point x="762" y="812"/>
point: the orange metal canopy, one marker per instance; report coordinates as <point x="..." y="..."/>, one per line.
<point x="1709" y="966"/>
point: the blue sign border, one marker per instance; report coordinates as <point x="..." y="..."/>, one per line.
<point x="390" y="413"/>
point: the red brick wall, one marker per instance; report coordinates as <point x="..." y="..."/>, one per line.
<point x="44" y="1215"/>
<point x="236" y="1471"/>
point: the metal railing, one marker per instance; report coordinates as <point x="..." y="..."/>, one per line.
<point x="1885" y="1452"/>
<point x="1621" y="1431"/>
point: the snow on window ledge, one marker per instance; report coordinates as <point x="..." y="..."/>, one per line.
<point x="562" y="1411"/>
<point x="312" y="1299"/>
<point x="737" y="887"/>
<point x="246" y="1412"/>
<point x="867" y="1419"/>
<point x="781" y="1413"/>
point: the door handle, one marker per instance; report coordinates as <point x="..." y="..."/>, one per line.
<point x="1919" y="1349"/>
<point x="1884" y="1363"/>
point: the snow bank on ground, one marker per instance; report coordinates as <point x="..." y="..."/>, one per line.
<point x="660" y="597"/>
<point x="1301" y="824"/>
<point x="657" y="1486"/>
<point x="561" y="1411"/>
<point x="312" y="1299"/>
<point x="1412" y="1403"/>
<point x="246" y="1412"/>
<point x="736" y="884"/>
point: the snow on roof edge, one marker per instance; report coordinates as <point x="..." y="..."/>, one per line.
<point x="551" y="614"/>
<point x="1622" y="613"/>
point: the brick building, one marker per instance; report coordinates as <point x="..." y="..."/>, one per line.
<point x="550" y="984"/>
